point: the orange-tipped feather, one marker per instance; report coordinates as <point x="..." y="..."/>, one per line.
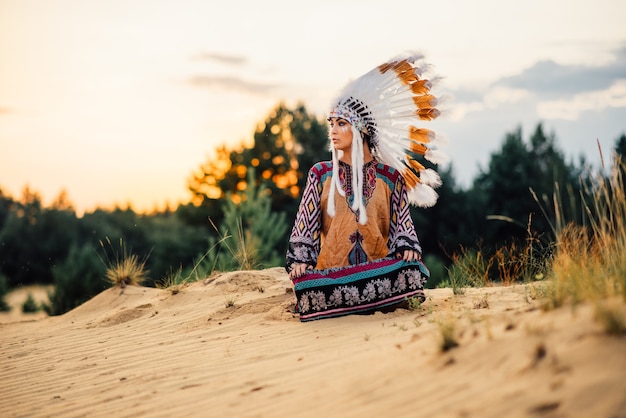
<point x="421" y="87"/>
<point x="402" y="66"/>
<point x="420" y="134"/>
<point x="383" y="68"/>
<point x="424" y="102"/>
<point x="427" y="114"/>
<point x="406" y="73"/>
<point x="410" y="178"/>
<point x="403" y="69"/>
<point x="394" y="65"/>
<point x="415" y="165"/>
<point x="418" y="148"/>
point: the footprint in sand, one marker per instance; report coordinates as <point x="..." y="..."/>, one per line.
<point x="126" y="315"/>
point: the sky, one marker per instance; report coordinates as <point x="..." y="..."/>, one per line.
<point x="118" y="102"/>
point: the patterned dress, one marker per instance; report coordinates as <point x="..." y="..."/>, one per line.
<point x="355" y="265"/>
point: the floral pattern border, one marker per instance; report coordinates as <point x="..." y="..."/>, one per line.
<point x="367" y="291"/>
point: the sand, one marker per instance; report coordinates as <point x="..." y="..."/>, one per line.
<point x="231" y="346"/>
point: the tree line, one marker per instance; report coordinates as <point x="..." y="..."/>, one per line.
<point x="244" y="202"/>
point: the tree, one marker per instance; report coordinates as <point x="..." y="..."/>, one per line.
<point x="251" y="233"/>
<point x="620" y="147"/>
<point x="620" y="152"/>
<point x="76" y="280"/>
<point x="284" y="147"/>
<point x="503" y="186"/>
<point x="34" y="239"/>
<point x="174" y="244"/>
<point x="7" y="205"/>
<point x="311" y="142"/>
<point x="449" y="225"/>
<point x="504" y="190"/>
<point x="4" y="289"/>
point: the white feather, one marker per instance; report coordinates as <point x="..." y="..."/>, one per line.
<point x="436" y="156"/>
<point x="422" y="196"/>
<point x="430" y="177"/>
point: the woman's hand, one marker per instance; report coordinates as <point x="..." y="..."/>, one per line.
<point x="298" y="269"/>
<point x="409" y="255"/>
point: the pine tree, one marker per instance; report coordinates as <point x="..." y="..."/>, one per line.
<point x="251" y="233"/>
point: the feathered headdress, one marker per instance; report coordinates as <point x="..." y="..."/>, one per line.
<point x="389" y="106"/>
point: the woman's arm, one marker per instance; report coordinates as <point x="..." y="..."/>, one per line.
<point x="403" y="241"/>
<point x="304" y="242"/>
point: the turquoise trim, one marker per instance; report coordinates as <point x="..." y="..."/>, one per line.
<point x="359" y="276"/>
<point x="380" y="174"/>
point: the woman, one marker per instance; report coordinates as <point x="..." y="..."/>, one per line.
<point x="353" y="246"/>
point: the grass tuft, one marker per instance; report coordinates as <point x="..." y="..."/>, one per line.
<point x="230" y="302"/>
<point x="122" y="268"/>
<point x="30" y="305"/>
<point x="414" y="304"/>
<point x="174" y="282"/>
<point x="469" y="269"/>
<point x="448" y="334"/>
<point x="509" y="264"/>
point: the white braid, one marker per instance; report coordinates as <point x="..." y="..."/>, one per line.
<point x="334" y="180"/>
<point x="357" y="175"/>
<point x="333" y="184"/>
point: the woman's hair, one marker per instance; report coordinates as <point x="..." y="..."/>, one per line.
<point x="367" y="138"/>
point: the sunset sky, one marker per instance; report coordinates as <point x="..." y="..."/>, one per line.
<point x="118" y="101"/>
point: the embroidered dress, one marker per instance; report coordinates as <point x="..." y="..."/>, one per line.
<point x="355" y="265"/>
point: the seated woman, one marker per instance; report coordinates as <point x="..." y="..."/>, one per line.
<point x="353" y="247"/>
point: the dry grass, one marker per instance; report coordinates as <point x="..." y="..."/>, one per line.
<point x="448" y="338"/>
<point x="229" y="301"/>
<point x="243" y="247"/>
<point x="470" y="268"/>
<point x="246" y="249"/>
<point x="511" y="263"/>
<point x="174" y="282"/>
<point x="517" y="263"/>
<point x="128" y="271"/>
<point x="123" y="268"/>
<point x="414" y="304"/>
<point x="586" y="263"/>
<point x="590" y="260"/>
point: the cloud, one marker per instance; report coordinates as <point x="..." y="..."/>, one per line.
<point x="494" y="97"/>
<point x="231" y="84"/>
<point x="4" y="110"/>
<point x="221" y="58"/>
<point x="571" y="108"/>
<point x="550" y="79"/>
<point x="553" y="90"/>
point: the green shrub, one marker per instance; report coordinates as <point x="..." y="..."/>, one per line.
<point x="77" y="279"/>
<point x="29" y="305"/>
<point x="470" y="268"/>
<point x="4" y="289"/>
<point x="248" y="235"/>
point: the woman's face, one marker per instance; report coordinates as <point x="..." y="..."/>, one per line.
<point x="340" y="134"/>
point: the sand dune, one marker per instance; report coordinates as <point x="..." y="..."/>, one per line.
<point x="232" y="346"/>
